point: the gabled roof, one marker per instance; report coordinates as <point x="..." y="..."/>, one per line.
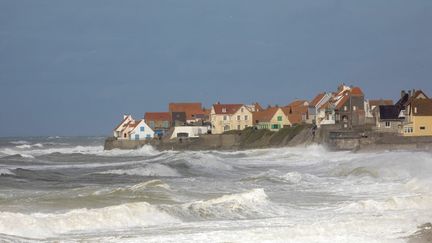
<point x="389" y="112"/>
<point x="265" y="115"/>
<point x="298" y="103"/>
<point x="191" y="109"/>
<point x="295" y="115"/>
<point x="342" y="101"/>
<point x="317" y="99"/>
<point x="228" y="108"/>
<point x="122" y="122"/>
<point x="295" y="118"/>
<point x="415" y="96"/>
<point x="157" y="116"/>
<point x="424" y="107"/>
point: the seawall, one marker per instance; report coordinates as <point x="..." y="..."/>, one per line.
<point x="238" y="140"/>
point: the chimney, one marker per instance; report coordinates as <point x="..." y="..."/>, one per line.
<point x="403" y="93"/>
<point x="218" y="102"/>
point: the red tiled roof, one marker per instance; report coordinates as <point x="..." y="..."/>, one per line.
<point x="191" y="109"/>
<point x="356" y="91"/>
<point x="229" y="108"/>
<point x="157" y="116"/>
<point x="317" y="99"/>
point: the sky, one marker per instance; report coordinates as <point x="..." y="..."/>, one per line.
<point x="73" y="68"/>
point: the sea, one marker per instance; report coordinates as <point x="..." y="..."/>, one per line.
<point x="68" y="189"/>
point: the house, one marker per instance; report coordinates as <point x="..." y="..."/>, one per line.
<point x="272" y="118"/>
<point x="119" y="131"/>
<point x="130" y="129"/>
<point x="227" y="117"/>
<point x="387" y="118"/>
<point x="194" y="113"/>
<point x="416" y="109"/>
<point x="349" y="105"/>
<point x="159" y="122"/>
<point x="139" y="130"/>
<point x="320" y="110"/>
<point x="189" y="131"/>
<point x="372" y="109"/>
<point x="298" y="112"/>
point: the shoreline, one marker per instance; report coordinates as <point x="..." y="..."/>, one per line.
<point x="333" y="140"/>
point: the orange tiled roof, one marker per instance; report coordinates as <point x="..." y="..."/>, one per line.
<point x="229" y="108"/>
<point x="157" y="116"/>
<point x="191" y="109"/>
<point x="317" y="99"/>
<point x="356" y="91"/>
<point x="265" y="115"/>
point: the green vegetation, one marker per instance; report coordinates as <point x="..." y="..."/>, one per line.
<point x="251" y="135"/>
<point x="286" y="134"/>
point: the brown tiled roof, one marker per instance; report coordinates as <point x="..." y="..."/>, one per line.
<point x="157" y="116"/>
<point x="258" y="107"/>
<point x="317" y="99"/>
<point x="230" y="108"/>
<point x="264" y="115"/>
<point x="380" y="102"/>
<point x="414" y="97"/>
<point x="424" y="107"/>
<point x="191" y="109"/>
<point x="295" y="118"/>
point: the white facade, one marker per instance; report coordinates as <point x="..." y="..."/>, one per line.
<point x="189" y="131"/>
<point x="120" y="131"/>
<point x="141" y="131"/>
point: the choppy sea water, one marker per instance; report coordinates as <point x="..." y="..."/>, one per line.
<point x="69" y="189"/>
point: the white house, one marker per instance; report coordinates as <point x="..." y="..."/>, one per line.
<point x="140" y="131"/>
<point x="130" y="129"/>
<point x="189" y="131"/>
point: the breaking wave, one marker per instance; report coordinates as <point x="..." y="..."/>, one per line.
<point x="275" y="176"/>
<point x="251" y="204"/>
<point x="393" y="203"/>
<point x="4" y="171"/>
<point x="148" y="170"/>
<point x="41" y="225"/>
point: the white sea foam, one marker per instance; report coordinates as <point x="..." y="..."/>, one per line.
<point x="20" y="142"/>
<point x="41" y="225"/>
<point x="250" y="204"/>
<point x="4" y="171"/>
<point x="147" y="170"/>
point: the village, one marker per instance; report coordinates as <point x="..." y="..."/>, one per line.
<point x="345" y="109"/>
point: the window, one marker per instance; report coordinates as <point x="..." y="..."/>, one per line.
<point x="275" y="126"/>
<point x="354" y="108"/>
<point x="279" y="118"/>
<point x="142" y="129"/>
<point x="152" y="124"/>
<point x="225" y="118"/>
<point x="165" y="124"/>
<point x="408" y="129"/>
<point x="148" y="136"/>
<point x="415" y="110"/>
<point x="238" y="127"/>
<point x="136" y="136"/>
<point x="345" y="108"/>
<point x="238" y="118"/>
<point x="242" y="109"/>
<point x="387" y="124"/>
<point x="226" y="128"/>
<point x="422" y="128"/>
<point x="246" y="117"/>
